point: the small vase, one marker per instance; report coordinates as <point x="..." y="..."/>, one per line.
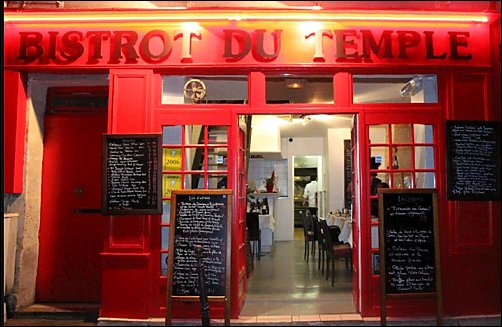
<point x="270" y="187"/>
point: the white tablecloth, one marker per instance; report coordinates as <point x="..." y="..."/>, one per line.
<point x="267" y="221"/>
<point x="267" y="227"/>
<point x="345" y="225"/>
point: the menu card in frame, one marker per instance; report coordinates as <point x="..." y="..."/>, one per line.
<point x="132" y="174"/>
<point x="199" y="217"/>
<point x="409" y="246"/>
<point x="473" y="160"/>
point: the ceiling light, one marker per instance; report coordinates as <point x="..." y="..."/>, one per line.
<point x="295" y="83"/>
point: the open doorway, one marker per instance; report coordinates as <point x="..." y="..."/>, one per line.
<point x="295" y="149"/>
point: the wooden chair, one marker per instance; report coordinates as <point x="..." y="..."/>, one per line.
<point x="334" y="251"/>
<point x="308" y="235"/>
<point x="321" y="246"/>
<point x="310" y="222"/>
<point x="254" y="232"/>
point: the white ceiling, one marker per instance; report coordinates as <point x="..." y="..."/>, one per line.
<point x="293" y="126"/>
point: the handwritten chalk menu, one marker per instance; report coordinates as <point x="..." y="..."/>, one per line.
<point x="409" y="247"/>
<point x="131" y="174"/>
<point x="473" y="166"/>
<point x="347" y="171"/>
<point x="199" y="217"/>
<point x="408" y="241"/>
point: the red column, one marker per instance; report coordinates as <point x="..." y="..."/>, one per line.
<point x="14" y="125"/>
<point x="126" y="272"/>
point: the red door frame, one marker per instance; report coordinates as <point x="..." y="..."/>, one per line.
<point x="370" y="284"/>
<point x="71" y="236"/>
<point x="366" y="298"/>
<point x="211" y="114"/>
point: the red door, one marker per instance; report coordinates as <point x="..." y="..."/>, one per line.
<point x="70" y="242"/>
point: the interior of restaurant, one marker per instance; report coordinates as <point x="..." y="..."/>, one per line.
<point x="282" y="281"/>
<point x="291" y="150"/>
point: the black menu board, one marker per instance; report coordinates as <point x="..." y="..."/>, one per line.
<point x="199" y="217"/>
<point x="408" y="240"/>
<point x="473" y="166"/>
<point x="131" y="174"/>
<point x="409" y="247"/>
<point x="347" y="171"/>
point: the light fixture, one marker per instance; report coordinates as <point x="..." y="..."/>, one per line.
<point x="316" y="6"/>
<point x="306" y="119"/>
<point x="412" y="87"/>
<point x="295" y="83"/>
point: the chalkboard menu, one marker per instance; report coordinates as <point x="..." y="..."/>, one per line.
<point x="202" y="218"/>
<point x="473" y="166"/>
<point x="409" y="246"/>
<point x="131" y="174"/>
<point x="407" y="223"/>
<point x="199" y="217"/>
<point x="347" y="171"/>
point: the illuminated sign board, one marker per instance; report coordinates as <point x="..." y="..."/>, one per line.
<point x="256" y="43"/>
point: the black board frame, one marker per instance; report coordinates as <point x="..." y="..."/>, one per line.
<point x="157" y="210"/>
<point x="384" y="295"/>
<point x="170" y="264"/>
<point x="495" y="157"/>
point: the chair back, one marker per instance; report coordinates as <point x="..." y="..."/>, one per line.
<point x="305" y="224"/>
<point x="253" y="225"/>
<point x="310" y="222"/>
<point x="317" y="230"/>
<point x="328" y="242"/>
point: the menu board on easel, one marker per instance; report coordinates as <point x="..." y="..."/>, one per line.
<point x="199" y="217"/>
<point x="409" y="246"/>
<point x="473" y="165"/>
<point x="132" y="174"/>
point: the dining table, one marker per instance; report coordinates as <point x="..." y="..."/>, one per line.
<point x="267" y="228"/>
<point x="344" y="222"/>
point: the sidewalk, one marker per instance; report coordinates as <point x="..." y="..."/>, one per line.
<point x="39" y="315"/>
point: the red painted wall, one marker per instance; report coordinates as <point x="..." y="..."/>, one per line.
<point x="470" y="244"/>
<point x="126" y="264"/>
<point x="14" y="133"/>
<point x="471" y="252"/>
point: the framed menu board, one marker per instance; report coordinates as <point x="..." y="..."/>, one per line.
<point x="132" y="174"/>
<point x="473" y="160"/>
<point x="409" y="246"/>
<point x="202" y="218"/>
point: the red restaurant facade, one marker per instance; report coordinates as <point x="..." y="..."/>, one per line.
<point x="123" y="62"/>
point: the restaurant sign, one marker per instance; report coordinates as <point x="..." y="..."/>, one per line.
<point x="257" y="43"/>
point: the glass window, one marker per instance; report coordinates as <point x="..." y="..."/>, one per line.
<point x="425" y="180"/>
<point x="395" y="89"/>
<point x="194" y="157"/>
<point x="424" y="157"/>
<point x="378" y="134"/>
<point x="404" y="161"/>
<point x="422" y="133"/>
<point x="299" y="89"/>
<point x="401" y="133"/>
<point x="171" y="134"/>
<point x="204" y="89"/>
<point x="381" y="155"/>
<point x="401" y="157"/>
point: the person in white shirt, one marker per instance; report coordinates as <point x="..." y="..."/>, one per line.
<point x="310" y="194"/>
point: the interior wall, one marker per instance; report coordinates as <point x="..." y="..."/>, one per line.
<point x="299" y="146"/>
<point x="335" y="171"/>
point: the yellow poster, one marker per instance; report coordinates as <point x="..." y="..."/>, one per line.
<point x="170" y="182"/>
<point x="171" y="159"/>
